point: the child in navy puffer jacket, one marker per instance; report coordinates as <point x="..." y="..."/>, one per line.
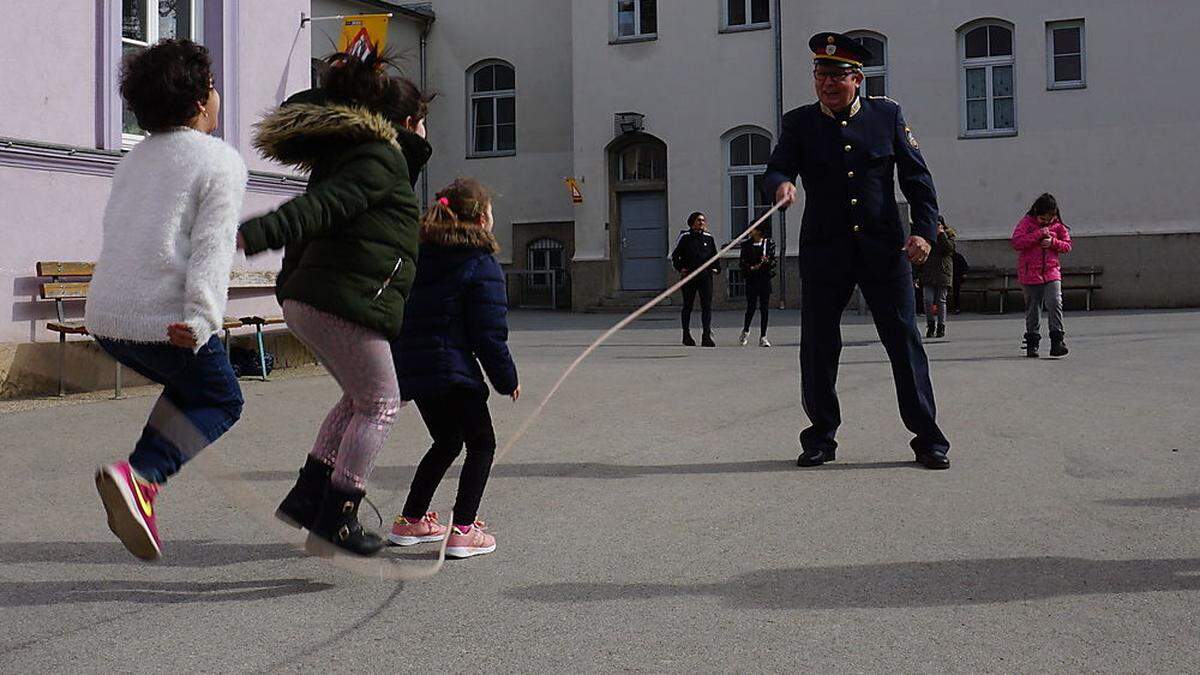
<point x="455" y="320"/>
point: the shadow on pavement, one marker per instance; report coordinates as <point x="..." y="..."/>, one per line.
<point x="176" y="553"/>
<point x="1191" y="501"/>
<point x="912" y="584"/>
<point x="401" y="475"/>
<point x="33" y="593"/>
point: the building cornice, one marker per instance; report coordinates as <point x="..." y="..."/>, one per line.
<point x="54" y="158"/>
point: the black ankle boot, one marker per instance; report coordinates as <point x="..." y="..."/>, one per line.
<point x="706" y="340"/>
<point x="337" y="522"/>
<point x="299" y="507"/>
<point x="1032" y="340"/>
<point x="688" y="340"/>
<point x="929" y="330"/>
<point x="1058" y="343"/>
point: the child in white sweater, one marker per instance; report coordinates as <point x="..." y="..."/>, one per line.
<point x="157" y="298"/>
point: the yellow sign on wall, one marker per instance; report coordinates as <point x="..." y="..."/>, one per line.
<point x="363" y="35"/>
<point x="573" y="186"/>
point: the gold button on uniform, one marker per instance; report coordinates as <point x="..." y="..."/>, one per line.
<point x="853" y="202"/>
<point x="847" y="148"/>
<point x="857" y="228"/>
<point x="844" y="123"/>
<point x="849" y="174"/>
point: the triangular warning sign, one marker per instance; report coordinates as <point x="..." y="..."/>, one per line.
<point x="360" y="46"/>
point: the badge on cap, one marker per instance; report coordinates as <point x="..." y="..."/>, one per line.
<point x="831" y="49"/>
<point x="912" y="140"/>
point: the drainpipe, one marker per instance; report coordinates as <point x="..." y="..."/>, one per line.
<point x="782" y="215"/>
<point x="424" y="42"/>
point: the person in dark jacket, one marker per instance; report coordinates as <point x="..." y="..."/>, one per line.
<point x="959" y="273"/>
<point x="456" y="321"/>
<point x="350" y="251"/>
<point x="937" y="274"/>
<point x="848" y="152"/>
<point x="693" y="248"/>
<point x="758" y="266"/>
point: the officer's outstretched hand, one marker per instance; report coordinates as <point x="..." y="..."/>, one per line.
<point x="916" y="249"/>
<point x="786" y="193"/>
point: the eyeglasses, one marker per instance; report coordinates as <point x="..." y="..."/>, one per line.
<point x="832" y="76"/>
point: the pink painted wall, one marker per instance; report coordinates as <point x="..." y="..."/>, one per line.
<point x="46" y="214"/>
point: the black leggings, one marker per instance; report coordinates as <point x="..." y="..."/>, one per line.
<point x="703" y="285"/>
<point x="454" y="418"/>
<point x="757" y="296"/>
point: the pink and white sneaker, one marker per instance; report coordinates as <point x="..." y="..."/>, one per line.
<point x="407" y="532"/>
<point x="129" y="501"/>
<point x="470" y="543"/>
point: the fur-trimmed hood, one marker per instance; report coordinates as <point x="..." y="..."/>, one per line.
<point x="459" y="235"/>
<point x="298" y="134"/>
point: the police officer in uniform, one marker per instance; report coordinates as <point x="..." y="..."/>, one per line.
<point x="692" y="248"/>
<point x="846" y="149"/>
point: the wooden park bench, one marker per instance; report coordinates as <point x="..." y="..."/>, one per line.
<point x="69" y="281"/>
<point x="985" y="280"/>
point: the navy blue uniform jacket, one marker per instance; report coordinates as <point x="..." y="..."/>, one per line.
<point x="847" y="166"/>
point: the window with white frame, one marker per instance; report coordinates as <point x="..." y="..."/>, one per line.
<point x="635" y="19"/>
<point x="747" y="14"/>
<point x="1065" y="55"/>
<point x="747" y="154"/>
<point x="493" y="109"/>
<point x="145" y="22"/>
<point x="988" y="82"/>
<point x="546" y="255"/>
<point x="875" y="67"/>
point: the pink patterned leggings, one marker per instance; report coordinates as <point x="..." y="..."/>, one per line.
<point x="360" y="360"/>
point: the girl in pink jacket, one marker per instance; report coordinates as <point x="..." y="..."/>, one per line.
<point x="1040" y="238"/>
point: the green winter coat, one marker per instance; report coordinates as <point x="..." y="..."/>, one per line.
<point x="351" y="239"/>
<point x="938" y="269"/>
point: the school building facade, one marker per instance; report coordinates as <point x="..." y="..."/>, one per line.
<point x="656" y="108"/>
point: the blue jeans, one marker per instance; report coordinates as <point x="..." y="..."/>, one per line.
<point x="200" y="401"/>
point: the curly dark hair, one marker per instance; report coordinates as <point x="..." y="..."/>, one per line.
<point x="351" y="80"/>
<point x="164" y="84"/>
<point x="1045" y="205"/>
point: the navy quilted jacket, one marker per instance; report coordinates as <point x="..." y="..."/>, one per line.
<point x="456" y="317"/>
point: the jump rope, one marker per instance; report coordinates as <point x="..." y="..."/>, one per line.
<point x="393" y="568"/>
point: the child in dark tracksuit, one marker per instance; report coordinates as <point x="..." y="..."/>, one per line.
<point x="455" y="320"/>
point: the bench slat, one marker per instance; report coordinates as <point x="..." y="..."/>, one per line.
<point x="262" y="320"/>
<point x="51" y="268"/>
<point x="72" y="327"/>
<point x="252" y="279"/>
<point x="64" y="290"/>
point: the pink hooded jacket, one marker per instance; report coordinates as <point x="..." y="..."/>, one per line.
<point x="1038" y="265"/>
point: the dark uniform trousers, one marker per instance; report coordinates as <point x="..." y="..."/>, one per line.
<point x="891" y="302"/>
<point x="851" y="234"/>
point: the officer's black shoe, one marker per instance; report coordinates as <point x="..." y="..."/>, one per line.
<point x="299" y="507"/>
<point x="941" y="331"/>
<point x="929" y="330"/>
<point x="1058" y="343"/>
<point x="707" y="341"/>
<point x="933" y="460"/>
<point x="816" y="457"/>
<point x="1031" y="344"/>
<point x="337" y="523"/>
<point x="688" y="341"/>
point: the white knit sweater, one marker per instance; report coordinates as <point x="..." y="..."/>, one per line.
<point x="170" y="232"/>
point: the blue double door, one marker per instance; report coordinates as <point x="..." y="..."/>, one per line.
<point x="643" y="246"/>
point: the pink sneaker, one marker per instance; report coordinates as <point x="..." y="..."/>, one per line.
<point x="129" y="502"/>
<point x="407" y="532"/>
<point x="474" y="542"/>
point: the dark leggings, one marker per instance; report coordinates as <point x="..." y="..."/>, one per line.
<point x="454" y="418"/>
<point x="703" y="285"/>
<point x="757" y="296"/>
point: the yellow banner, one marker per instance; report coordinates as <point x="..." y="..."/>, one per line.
<point x="363" y="34"/>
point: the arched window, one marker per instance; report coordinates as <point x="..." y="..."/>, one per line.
<point x="493" y="109"/>
<point x="747" y="151"/>
<point x="544" y="255"/>
<point x="989" y="105"/>
<point x="875" y="67"/>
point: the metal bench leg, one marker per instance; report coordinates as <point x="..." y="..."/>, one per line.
<point x="119" y="391"/>
<point x="262" y="356"/>
<point x="62" y="355"/>
<point x="226" y="344"/>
